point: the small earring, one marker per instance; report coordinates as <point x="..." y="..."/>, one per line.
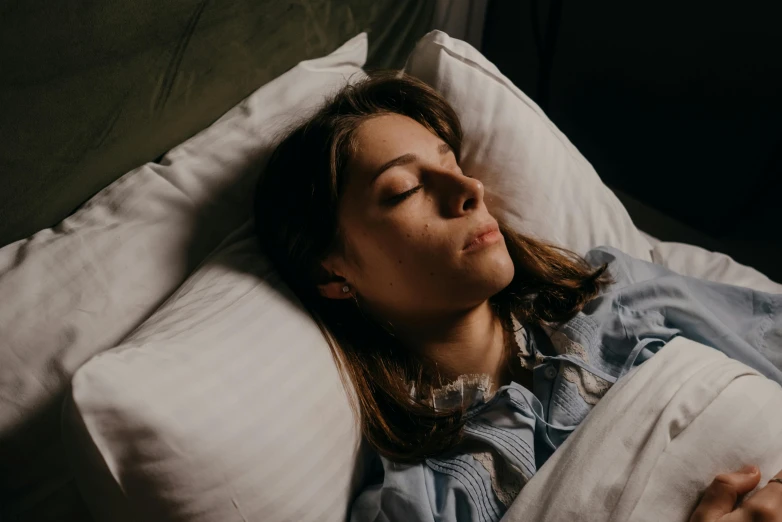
<point x="345" y="289"/>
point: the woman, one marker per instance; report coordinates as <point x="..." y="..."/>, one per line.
<point x="473" y="350"/>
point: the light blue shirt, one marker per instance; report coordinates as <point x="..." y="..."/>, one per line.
<point x="647" y="306"/>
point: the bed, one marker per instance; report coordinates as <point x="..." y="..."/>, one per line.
<point x="103" y="98"/>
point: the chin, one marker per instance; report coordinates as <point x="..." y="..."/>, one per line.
<point x="504" y="272"/>
<point x="495" y="272"/>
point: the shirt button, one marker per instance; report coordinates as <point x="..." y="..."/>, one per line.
<point x="550" y="372"/>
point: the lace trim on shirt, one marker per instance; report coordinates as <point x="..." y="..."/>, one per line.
<point x="590" y="386"/>
<point x="505" y="481"/>
<point x="466" y="390"/>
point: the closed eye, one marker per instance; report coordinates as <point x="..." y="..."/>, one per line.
<point x="403" y="196"/>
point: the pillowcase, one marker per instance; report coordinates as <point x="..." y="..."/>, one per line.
<point x="535" y="179"/>
<point x="80" y="287"/>
<point x="225" y="405"/>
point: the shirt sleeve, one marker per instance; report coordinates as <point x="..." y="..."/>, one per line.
<point x="654" y="301"/>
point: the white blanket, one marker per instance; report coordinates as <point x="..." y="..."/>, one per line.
<point x="657" y="439"/>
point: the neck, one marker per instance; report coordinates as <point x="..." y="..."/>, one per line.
<point x="472" y="341"/>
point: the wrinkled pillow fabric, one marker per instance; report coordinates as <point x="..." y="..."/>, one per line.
<point x="535" y="179"/>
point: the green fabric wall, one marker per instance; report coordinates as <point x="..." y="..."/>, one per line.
<point x="90" y="90"/>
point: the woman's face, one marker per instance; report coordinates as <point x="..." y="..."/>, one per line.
<point x="417" y="237"/>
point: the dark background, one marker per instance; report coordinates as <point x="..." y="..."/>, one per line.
<point x="676" y="103"/>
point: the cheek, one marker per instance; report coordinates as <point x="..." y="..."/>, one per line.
<point x="403" y="255"/>
<point x="425" y="258"/>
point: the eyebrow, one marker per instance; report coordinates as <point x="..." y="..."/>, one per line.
<point x="406" y="159"/>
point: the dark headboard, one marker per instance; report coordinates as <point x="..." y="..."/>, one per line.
<point x="90" y="90"/>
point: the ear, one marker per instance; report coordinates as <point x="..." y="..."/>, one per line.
<point x="335" y="290"/>
<point x="333" y="284"/>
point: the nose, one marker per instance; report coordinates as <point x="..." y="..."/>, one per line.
<point x="457" y="194"/>
<point x="467" y="195"/>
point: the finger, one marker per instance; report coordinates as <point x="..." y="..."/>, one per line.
<point x="777" y="476"/>
<point x="773" y="489"/>
<point x="767" y="500"/>
<point x="720" y="497"/>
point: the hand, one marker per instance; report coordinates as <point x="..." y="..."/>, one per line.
<point x="719" y="500"/>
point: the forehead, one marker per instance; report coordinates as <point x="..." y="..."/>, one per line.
<point x="387" y="136"/>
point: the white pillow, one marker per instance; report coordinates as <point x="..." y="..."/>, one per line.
<point x="534" y="177"/>
<point x="225" y="405"/>
<point x="697" y="262"/>
<point x="74" y="290"/>
<point x="657" y="439"/>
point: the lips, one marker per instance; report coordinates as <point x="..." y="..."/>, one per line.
<point x="485" y="234"/>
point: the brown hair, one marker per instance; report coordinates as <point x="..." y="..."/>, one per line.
<point x="296" y="215"/>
